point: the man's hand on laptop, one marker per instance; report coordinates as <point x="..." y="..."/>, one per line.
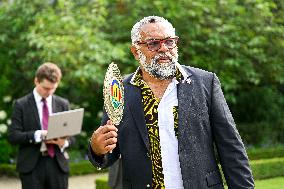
<point x="58" y="141"/>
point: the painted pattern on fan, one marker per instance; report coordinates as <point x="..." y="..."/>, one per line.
<point x="113" y="94"/>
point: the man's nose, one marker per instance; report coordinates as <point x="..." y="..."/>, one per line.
<point x="49" y="92"/>
<point x="163" y="48"/>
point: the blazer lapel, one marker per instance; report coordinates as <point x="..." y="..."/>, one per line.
<point x="134" y="99"/>
<point x="185" y="96"/>
<point x="55" y="107"/>
<point x="34" y="110"/>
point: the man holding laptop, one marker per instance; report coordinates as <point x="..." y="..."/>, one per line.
<point x="42" y="164"/>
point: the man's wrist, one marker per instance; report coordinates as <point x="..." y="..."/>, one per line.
<point x="37" y="136"/>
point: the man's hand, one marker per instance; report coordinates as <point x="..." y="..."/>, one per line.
<point x="104" y="139"/>
<point x="58" y="141"/>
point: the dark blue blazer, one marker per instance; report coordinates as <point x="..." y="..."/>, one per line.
<point x="205" y="124"/>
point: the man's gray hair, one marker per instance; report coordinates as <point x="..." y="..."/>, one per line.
<point x="135" y="32"/>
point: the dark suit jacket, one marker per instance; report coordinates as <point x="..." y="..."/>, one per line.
<point x="25" y="121"/>
<point x="204" y="120"/>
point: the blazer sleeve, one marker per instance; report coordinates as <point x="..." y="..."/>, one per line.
<point x="16" y="133"/>
<point x="231" y="150"/>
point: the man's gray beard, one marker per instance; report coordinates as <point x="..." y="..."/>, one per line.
<point x="161" y="71"/>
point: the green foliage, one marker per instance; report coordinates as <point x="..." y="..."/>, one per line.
<point x="83" y="167"/>
<point x="264" y="168"/>
<point x="259" y="104"/>
<point x="8" y="170"/>
<point x="78" y="168"/>
<point x="273" y="183"/>
<point x="242" y="41"/>
<point x="5" y="151"/>
<point x="267" y="168"/>
<point x="217" y="35"/>
<point x="101" y="183"/>
<point x="263" y="134"/>
<point x="270" y="183"/>
<point x="265" y="153"/>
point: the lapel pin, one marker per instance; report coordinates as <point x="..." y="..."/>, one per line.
<point x="187" y="80"/>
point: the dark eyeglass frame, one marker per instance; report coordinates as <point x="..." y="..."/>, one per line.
<point x="148" y="43"/>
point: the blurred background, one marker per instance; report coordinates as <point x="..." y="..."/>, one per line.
<point x="242" y="41"/>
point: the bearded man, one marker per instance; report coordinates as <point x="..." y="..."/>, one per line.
<point x="174" y="117"/>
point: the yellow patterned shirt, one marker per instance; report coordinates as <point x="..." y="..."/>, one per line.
<point x="150" y="106"/>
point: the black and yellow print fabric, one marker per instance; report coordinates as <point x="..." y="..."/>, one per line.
<point x="150" y="105"/>
<point x="175" y="112"/>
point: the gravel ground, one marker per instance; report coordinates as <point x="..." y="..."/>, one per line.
<point x="75" y="182"/>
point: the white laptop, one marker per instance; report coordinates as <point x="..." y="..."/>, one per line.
<point x="67" y="123"/>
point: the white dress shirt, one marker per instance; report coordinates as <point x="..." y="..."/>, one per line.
<point x="39" y="104"/>
<point x="168" y="139"/>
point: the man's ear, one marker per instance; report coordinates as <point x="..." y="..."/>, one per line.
<point x="134" y="52"/>
<point x="35" y="81"/>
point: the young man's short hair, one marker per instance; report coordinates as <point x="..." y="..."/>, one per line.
<point x="48" y="71"/>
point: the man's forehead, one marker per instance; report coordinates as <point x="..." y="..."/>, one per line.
<point x="157" y="30"/>
<point x="46" y="83"/>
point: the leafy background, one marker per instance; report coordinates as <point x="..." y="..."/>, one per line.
<point x="240" y="40"/>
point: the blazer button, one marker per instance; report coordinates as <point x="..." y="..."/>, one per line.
<point x="148" y="186"/>
<point x="31" y="141"/>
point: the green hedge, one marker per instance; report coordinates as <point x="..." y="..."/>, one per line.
<point x="101" y="183"/>
<point x="267" y="168"/>
<point x="8" y="169"/>
<point x="80" y="168"/>
<point x="265" y="153"/>
<point x="262" y="169"/>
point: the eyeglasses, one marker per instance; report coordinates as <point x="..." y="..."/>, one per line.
<point x="155" y="44"/>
